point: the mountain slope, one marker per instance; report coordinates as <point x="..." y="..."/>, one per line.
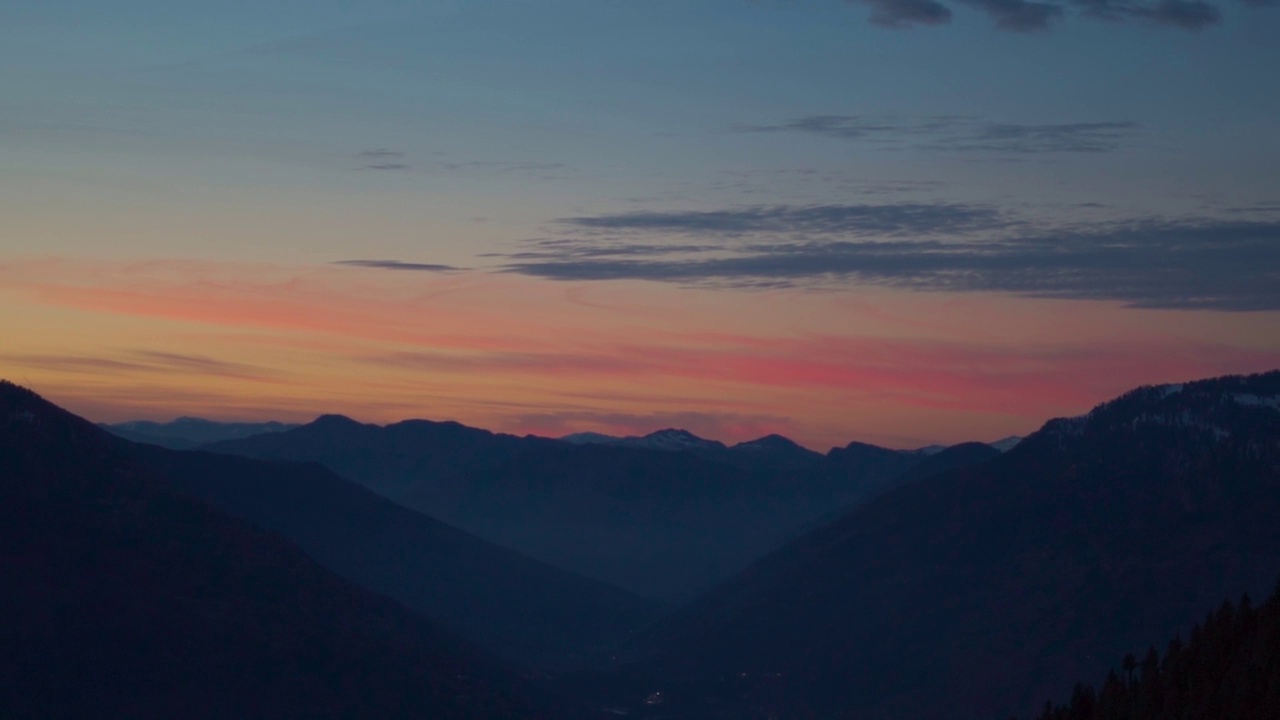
<point x="188" y="432"/>
<point x="951" y="458"/>
<point x="124" y="599"/>
<point x="664" y="517"/>
<point x="974" y="593"/>
<point x="521" y="608"/>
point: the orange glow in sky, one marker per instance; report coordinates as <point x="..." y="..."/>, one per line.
<point x="116" y="340"/>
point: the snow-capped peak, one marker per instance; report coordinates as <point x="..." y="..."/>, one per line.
<point x="673" y="439"/>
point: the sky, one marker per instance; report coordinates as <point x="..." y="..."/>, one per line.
<point x="894" y="221"/>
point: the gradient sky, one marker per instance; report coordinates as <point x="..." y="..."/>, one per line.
<point x="896" y="221"/>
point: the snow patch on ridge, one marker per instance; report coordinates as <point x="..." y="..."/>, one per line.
<point x="1250" y="399"/>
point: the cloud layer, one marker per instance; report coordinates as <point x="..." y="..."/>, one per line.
<point x="892" y="219"/>
<point x="1027" y="16"/>
<point x="396" y="265"/>
<point x="1160" y="263"/>
<point x="954" y="133"/>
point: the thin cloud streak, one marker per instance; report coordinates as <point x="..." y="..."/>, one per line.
<point x="383" y="159"/>
<point x="1023" y="16"/>
<point x="893" y="219"/>
<point x="963" y="134"/>
<point x="397" y="265"/>
<point x="901" y="14"/>
<point x="141" y="361"/>
<point x="1020" y="15"/>
<point x="1183" y="14"/>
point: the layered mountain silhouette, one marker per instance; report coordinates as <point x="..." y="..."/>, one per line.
<point x="664" y="516"/>
<point x="965" y="582"/>
<point x="984" y="590"/>
<point x="188" y="432"/>
<point x="523" y="609"/>
<point x="124" y="598"/>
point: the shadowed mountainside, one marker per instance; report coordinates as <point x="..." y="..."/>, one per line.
<point x="123" y="598"/>
<point x="521" y="608"/>
<point x="665" y="516"/>
<point x="982" y="591"/>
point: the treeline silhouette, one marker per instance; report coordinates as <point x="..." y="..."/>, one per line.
<point x="1228" y="668"/>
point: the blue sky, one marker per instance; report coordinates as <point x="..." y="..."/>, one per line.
<point x="573" y="107"/>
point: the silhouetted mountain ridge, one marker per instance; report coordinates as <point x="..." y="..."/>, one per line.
<point x="978" y="592"/>
<point x="518" y="607"/>
<point x="664" y="516"/>
<point x="123" y="598"/>
<point x="188" y="432"/>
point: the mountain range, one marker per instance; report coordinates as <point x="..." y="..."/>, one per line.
<point x="189" y="432"/>
<point x="665" y="516"/>
<point x="296" y="573"/>
<point x="981" y="591"/>
<point x="517" y="607"/>
<point x="125" y="598"/>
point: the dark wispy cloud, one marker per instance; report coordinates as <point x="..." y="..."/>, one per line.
<point x="858" y="127"/>
<point x="1027" y="16"/>
<point x="1256" y="208"/>
<point x="140" y="361"/>
<point x="386" y="159"/>
<point x="892" y="219"/>
<point x="1051" y="138"/>
<point x="955" y="133"/>
<point x="558" y="248"/>
<point x="900" y="14"/>
<point x="1020" y="15"/>
<point x="1187" y="263"/>
<point x="504" y="166"/>
<point x="382" y="154"/>
<point x="383" y="159"/>
<point x="1185" y="14"/>
<point x="396" y="265"/>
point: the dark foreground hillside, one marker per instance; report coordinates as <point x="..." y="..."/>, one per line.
<point x="980" y="592"/>
<point x="520" y="608"/>
<point x="1228" y="668"/>
<point x="122" y="599"/>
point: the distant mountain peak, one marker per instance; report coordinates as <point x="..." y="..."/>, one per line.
<point x="674" y="439"/>
<point x="188" y="432"/>
<point x="928" y="450"/>
<point x="1007" y="443"/>
<point x="589" y="438"/>
<point x="673" y="433"/>
<point x="335" y="420"/>
<point x="189" y="420"/>
<point x="772" y="441"/>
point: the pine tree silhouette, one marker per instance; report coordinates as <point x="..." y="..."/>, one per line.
<point x="1230" y="668"/>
